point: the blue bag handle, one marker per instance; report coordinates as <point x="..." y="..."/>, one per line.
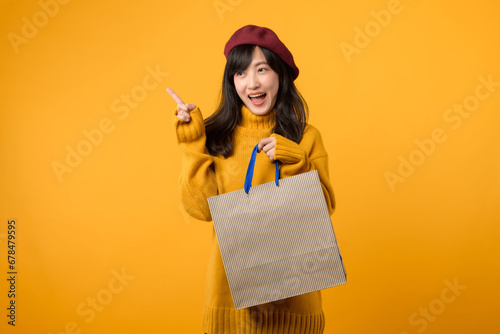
<point x="251" y="165"/>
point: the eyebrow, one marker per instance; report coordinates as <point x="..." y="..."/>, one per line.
<point x="261" y="62"/>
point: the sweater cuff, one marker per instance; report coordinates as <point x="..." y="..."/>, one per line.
<point x="287" y="151"/>
<point x="192" y="130"/>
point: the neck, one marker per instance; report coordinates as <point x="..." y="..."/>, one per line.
<point x="252" y="121"/>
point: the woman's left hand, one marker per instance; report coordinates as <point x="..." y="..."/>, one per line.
<point x="267" y="145"/>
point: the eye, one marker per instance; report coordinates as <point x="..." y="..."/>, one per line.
<point x="239" y="74"/>
<point x="262" y="69"/>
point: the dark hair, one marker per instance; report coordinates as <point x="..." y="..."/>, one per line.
<point x="291" y="109"/>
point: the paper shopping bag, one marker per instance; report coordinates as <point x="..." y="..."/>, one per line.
<point x="276" y="239"/>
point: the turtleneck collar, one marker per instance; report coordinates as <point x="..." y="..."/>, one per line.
<point x="251" y="121"/>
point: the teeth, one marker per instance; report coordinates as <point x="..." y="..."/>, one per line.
<point x="257" y="95"/>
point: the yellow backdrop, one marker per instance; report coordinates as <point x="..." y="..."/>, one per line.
<point x="405" y="93"/>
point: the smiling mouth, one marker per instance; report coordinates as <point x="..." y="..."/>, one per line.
<point x="258" y="98"/>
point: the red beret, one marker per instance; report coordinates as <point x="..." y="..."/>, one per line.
<point x="263" y="37"/>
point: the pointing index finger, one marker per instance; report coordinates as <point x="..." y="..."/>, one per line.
<point x="176" y="97"/>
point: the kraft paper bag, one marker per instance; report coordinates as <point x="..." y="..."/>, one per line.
<point x="276" y="239"/>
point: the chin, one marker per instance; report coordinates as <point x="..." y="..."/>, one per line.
<point x="259" y="111"/>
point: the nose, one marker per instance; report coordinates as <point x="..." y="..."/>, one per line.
<point x="253" y="81"/>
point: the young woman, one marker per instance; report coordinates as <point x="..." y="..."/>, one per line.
<point x="259" y="103"/>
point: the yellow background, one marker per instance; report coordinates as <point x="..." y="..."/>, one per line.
<point x="119" y="208"/>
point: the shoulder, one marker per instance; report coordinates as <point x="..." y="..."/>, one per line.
<point x="311" y="135"/>
<point x="312" y="142"/>
<point x="311" y="131"/>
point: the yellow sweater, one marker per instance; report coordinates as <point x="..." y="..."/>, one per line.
<point x="205" y="176"/>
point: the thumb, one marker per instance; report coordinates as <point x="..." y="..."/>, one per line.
<point x="191" y="107"/>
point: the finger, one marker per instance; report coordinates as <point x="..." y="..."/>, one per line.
<point x="263" y="142"/>
<point x="260" y="146"/>
<point x="184" y="117"/>
<point x="176" y="97"/>
<point x="184" y="114"/>
<point x="182" y="107"/>
<point x="269" y="146"/>
<point x="270" y="154"/>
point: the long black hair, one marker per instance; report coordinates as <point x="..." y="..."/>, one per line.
<point x="291" y="109"/>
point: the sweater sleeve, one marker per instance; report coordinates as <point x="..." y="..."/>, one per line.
<point x="307" y="156"/>
<point x="197" y="181"/>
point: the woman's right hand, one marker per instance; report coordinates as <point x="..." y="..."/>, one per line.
<point x="183" y="109"/>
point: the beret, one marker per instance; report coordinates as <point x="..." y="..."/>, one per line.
<point x="264" y="37"/>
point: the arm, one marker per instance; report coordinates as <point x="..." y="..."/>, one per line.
<point x="197" y="181"/>
<point x="307" y="156"/>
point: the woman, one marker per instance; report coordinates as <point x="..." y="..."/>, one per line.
<point x="259" y="104"/>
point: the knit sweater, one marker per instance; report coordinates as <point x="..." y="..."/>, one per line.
<point x="204" y="176"/>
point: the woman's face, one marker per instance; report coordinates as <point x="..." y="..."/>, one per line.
<point x="257" y="85"/>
